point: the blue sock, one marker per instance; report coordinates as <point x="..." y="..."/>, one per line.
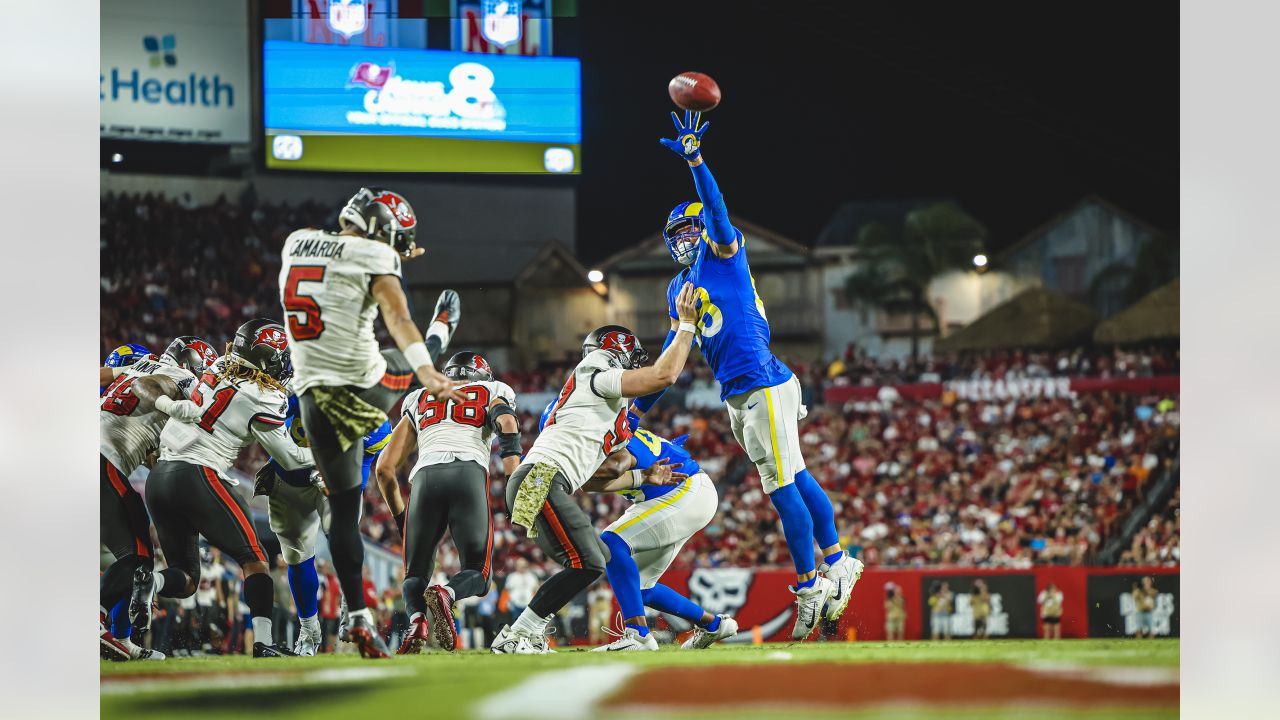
<point x="820" y="511"/>
<point x="664" y="599"/>
<point x="714" y="625"/>
<point x="121" y="628"/>
<point x="797" y="527"/>
<point x="624" y="577"/>
<point x="304" y="583"/>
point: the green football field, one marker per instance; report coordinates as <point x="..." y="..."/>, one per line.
<point x="962" y="679"/>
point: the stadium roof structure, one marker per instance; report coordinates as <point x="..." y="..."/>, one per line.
<point x="769" y="250"/>
<point x="840" y="233"/>
<point x="1033" y="318"/>
<point x="1154" y="317"/>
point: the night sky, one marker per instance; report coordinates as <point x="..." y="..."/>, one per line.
<point x="1015" y="110"/>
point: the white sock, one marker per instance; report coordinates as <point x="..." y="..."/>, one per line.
<point x="311" y="624"/>
<point x="362" y="612"/>
<point x="529" y="622"/>
<point x="439" y="330"/>
<point x="262" y="630"/>
<point x="157" y="583"/>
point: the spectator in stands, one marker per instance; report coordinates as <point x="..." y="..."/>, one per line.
<point x="895" y="613"/>
<point x="1144" y="601"/>
<point x="330" y="602"/>
<point x="1050" y="602"/>
<point x="284" y="620"/>
<point x="520" y="587"/>
<point x="940" y="603"/>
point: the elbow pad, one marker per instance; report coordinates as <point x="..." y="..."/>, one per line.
<point x="509" y="444"/>
<point x="498" y="411"/>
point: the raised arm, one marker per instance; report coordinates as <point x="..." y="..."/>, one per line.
<point x="688" y="145"/>
<point x="663" y="373"/>
<point x="507" y="427"/>
<point x="390" y="460"/>
<point x="387" y="291"/>
<point x="642" y="405"/>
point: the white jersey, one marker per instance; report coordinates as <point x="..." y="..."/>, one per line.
<point x="329" y="311"/>
<point x="589" y="421"/>
<point x="127" y="435"/>
<point x="236" y="413"/>
<point x="455" y="430"/>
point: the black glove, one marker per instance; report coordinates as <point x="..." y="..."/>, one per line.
<point x="264" y="482"/>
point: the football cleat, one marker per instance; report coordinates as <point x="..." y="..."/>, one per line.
<point x="845" y="573"/>
<point x="363" y="633"/>
<point x="110" y="648"/>
<point x="514" y="642"/>
<point x="308" y="642"/>
<point x="703" y="638"/>
<point x="263" y="650"/>
<point x="137" y="652"/>
<point x="344" y="621"/>
<point x="140" y="599"/>
<point x="440" y="605"/>
<point x="630" y="641"/>
<point x="417" y="636"/>
<point x="449" y="312"/>
<point x="809" y="603"/>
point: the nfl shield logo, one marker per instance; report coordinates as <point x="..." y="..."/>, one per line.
<point x="501" y="24"/>
<point x="347" y="17"/>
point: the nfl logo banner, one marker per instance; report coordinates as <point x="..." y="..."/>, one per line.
<point x="347" y="17"/>
<point x="501" y="24"/>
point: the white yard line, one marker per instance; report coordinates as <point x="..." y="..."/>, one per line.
<point x="1111" y="675"/>
<point x="125" y="685"/>
<point x="556" y="694"/>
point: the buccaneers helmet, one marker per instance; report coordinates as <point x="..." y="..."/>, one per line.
<point x="263" y="344"/>
<point x="192" y="353"/>
<point x="382" y="215"/>
<point x="684" y="228"/>
<point x="468" y="366"/>
<point x="619" y="342"/>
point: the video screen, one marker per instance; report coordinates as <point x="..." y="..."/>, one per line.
<point x="355" y="108"/>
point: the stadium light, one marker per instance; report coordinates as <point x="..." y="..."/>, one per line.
<point x="595" y="276"/>
<point x="117" y="158"/>
<point x="979" y="260"/>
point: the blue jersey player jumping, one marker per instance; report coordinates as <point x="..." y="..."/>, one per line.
<point x="299" y="510"/>
<point x="761" y="393"/>
<point x="646" y="539"/>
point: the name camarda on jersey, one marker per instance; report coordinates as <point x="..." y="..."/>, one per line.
<point x="316" y="247"/>
<point x="588" y="423"/>
<point x="128" y="435"/>
<point x="329" y="311"/>
<point x="457" y="429"/>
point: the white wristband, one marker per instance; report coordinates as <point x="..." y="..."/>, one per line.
<point x="637" y="479"/>
<point x="417" y="355"/>
<point x="163" y="403"/>
<point x="689" y="328"/>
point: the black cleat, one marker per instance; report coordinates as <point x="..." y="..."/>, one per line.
<point x="366" y="637"/>
<point x="263" y="650"/>
<point x="140" y="600"/>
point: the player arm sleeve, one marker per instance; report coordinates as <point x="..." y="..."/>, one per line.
<point x="182" y="410"/>
<point x="719" y="230"/>
<point x="607" y="384"/>
<point x="276" y="441"/>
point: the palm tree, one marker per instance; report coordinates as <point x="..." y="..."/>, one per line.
<point x="899" y="261"/>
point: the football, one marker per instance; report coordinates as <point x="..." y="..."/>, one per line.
<point x="694" y="91"/>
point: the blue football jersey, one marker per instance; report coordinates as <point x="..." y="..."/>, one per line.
<point x="649" y="449"/>
<point x="733" y="332"/>
<point x="373" y="444"/>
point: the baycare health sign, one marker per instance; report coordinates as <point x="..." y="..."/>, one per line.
<point x="175" y="70"/>
<point x="384" y="91"/>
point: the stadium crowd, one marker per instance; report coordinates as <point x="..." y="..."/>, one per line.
<point x="913" y="482"/>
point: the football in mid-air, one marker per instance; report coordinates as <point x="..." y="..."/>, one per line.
<point x="694" y="91"/>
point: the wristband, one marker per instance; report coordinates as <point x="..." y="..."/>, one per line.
<point x="689" y="328"/>
<point x="637" y="479"/>
<point x="164" y="403"/>
<point x="417" y="355"/>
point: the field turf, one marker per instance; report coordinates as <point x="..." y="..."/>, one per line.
<point x="962" y="679"/>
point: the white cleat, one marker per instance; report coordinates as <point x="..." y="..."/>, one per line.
<point x="514" y="642"/>
<point x="845" y="573"/>
<point x="140" y="653"/>
<point x="702" y="638"/>
<point x="630" y="640"/>
<point x="448" y="313"/>
<point x="809" y="603"/>
<point x="308" y="642"/>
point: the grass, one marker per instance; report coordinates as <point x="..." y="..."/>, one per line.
<point x="448" y="685"/>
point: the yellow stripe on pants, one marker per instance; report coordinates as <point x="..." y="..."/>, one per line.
<point x="773" y="435"/>
<point x="663" y="502"/>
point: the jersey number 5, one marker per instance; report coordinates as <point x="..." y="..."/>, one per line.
<point x="470" y="411"/>
<point x="310" y="326"/>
